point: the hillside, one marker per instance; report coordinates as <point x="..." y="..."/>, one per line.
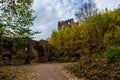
<point x="94" y="43"/>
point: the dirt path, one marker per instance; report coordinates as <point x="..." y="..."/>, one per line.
<point x="51" y="72"/>
<point x="42" y="71"/>
<point x="54" y="71"/>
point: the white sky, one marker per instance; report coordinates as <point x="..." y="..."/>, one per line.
<point x="49" y="12"/>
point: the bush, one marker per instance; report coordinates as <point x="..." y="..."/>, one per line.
<point x="3" y="77"/>
<point x="111" y="54"/>
<point x="35" y="55"/>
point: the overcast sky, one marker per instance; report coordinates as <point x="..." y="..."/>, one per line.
<point x="49" y="12"/>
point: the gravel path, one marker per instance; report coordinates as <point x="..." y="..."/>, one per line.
<point x="51" y="72"/>
<point x="42" y="71"/>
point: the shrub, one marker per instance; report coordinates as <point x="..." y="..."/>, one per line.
<point x="111" y="54"/>
<point x="3" y="77"/>
<point x="35" y="55"/>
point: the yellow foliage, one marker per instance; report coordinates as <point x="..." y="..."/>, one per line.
<point x="90" y="36"/>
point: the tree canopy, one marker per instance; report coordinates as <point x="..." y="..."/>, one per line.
<point x="86" y="10"/>
<point x="16" y="18"/>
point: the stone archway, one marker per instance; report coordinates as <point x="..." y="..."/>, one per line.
<point x="40" y="51"/>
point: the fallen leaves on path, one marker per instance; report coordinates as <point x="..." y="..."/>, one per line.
<point x="51" y="71"/>
<point x="17" y="73"/>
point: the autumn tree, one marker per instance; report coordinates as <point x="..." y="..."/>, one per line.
<point x="97" y="35"/>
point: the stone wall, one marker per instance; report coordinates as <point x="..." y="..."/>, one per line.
<point x="22" y="54"/>
<point x="13" y="54"/>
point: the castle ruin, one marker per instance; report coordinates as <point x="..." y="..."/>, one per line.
<point x="63" y="24"/>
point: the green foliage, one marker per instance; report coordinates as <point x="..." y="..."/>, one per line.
<point x="111" y="54"/>
<point x="16" y="19"/>
<point x="3" y="77"/>
<point x="35" y="55"/>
